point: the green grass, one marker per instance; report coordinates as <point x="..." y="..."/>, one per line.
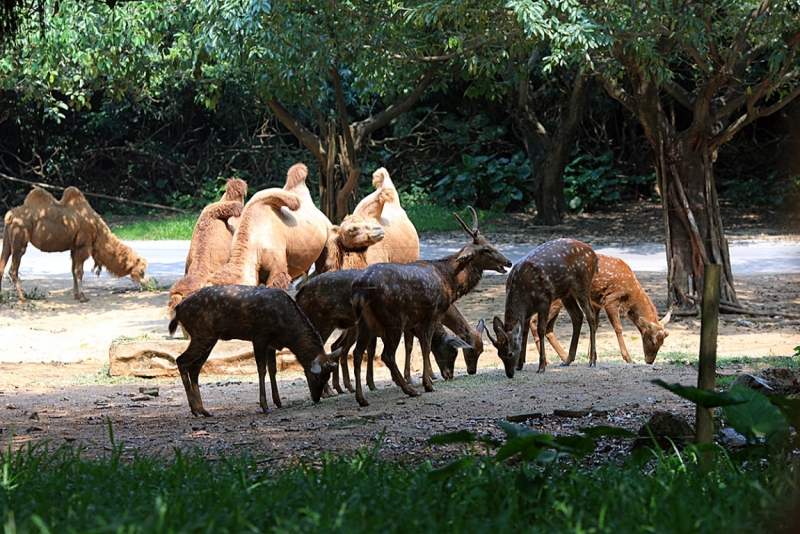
<point x="426" y="218"/>
<point x="61" y="491"/>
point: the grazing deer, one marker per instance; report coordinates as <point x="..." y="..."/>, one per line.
<point x="325" y="299"/>
<point x="616" y="290"/>
<point x="268" y="317"/>
<point x="390" y="298"/>
<point x="559" y="269"/>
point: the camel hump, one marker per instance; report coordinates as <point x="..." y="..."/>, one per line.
<point x="278" y="198"/>
<point x="72" y="197"/>
<point x="39" y="197"/>
<point x="224" y="210"/>
<point x="380" y="178"/>
<point x="296" y="175"/>
<point x="235" y="189"/>
<point x="372" y="206"/>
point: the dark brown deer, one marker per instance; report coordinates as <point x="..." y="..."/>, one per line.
<point x="390" y="298"/>
<point x="559" y="269"/>
<point x="268" y="317"/>
<point x="444" y="345"/>
<point x="325" y="299"/>
<point x="616" y="290"/>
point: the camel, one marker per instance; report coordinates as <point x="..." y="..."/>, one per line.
<point x="280" y="236"/>
<point x="210" y="248"/>
<point x="218" y="227"/>
<point x="348" y="244"/>
<point x="69" y="224"/>
<point x="401" y="244"/>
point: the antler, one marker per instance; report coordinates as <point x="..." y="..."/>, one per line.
<point x="474" y="230"/>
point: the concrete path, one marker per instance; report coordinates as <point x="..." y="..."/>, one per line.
<point x="166" y="258"/>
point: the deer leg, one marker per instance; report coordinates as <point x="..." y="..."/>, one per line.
<point x="408" y="343"/>
<point x="425" y="345"/>
<point x="551" y="337"/>
<point x="342" y="363"/>
<point x="260" y="350"/>
<point x="272" y="366"/>
<point x="391" y="340"/>
<point x="372" y="348"/>
<point x="592" y="317"/>
<point x="358" y="355"/>
<point x="576" y="315"/>
<point x="612" y="312"/>
<point x="189" y="365"/>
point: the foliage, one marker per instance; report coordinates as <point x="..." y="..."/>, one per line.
<point x="764" y="421"/>
<point x="63" y="490"/>
<point x="487" y="181"/>
<point x="594" y="182"/>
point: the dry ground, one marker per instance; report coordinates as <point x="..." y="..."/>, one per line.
<point x="59" y="392"/>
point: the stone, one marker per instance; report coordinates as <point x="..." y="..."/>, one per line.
<point x="667" y="429"/>
<point x="157" y="359"/>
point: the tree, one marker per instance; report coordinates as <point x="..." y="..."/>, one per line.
<point x="332" y="72"/>
<point x="694" y="73"/>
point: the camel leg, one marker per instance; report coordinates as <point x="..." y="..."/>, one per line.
<point x="79" y="256"/>
<point x="13" y="272"/>
<point x="189" y="364"/>
<point x="612" y="312"/>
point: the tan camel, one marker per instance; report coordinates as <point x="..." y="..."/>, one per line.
<point x="401" y="244"/>
<point x="210" y="248"/>
<point x="216" y="225"/>
<point x="348" y="244"/>
<point x="69" y="224"/>
<point x="280" y="236"/>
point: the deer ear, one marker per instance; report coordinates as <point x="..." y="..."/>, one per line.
<point x="456" y="342"/>
<point x="481" y="326"/>
<point x="466" y="254"/>
<point x="316" y="368"/>
<point x="499" y="330"/>
<point x="667" y="317"/>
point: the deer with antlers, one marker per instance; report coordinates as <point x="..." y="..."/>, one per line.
<point x="390" y="298"/>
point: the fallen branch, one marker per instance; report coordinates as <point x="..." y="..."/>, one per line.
<point x="98" y="195"/>
<point x="735" y="308"/>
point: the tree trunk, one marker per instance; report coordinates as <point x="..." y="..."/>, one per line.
<point x="693" y="224"/>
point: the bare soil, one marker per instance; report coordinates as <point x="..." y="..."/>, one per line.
<point x="54" y="355"/>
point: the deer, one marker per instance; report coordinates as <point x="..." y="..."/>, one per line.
<point x="390" y="298"/>
<point x="616" y="290"/>
<point x="268" y="317"/>
<point x="559" y="269"/>
<point x="325" y="299"/>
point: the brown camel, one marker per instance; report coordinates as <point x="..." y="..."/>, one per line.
<point x="69" y="224"/>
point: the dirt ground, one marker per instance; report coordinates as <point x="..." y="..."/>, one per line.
<point x="54" y="384"/>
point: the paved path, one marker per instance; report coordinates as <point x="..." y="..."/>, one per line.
<point x="166" y="258"/>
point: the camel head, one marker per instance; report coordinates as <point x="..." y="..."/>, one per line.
<point x="138" y="271"/>
<point x="357" y="233"/>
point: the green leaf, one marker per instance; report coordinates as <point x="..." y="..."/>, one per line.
<point x="462" y="436"/>
<point x="755" y="416"/>
<point x="706" y="399"/>
<point x="603" y="430"/>
<point x="453" y="468"/>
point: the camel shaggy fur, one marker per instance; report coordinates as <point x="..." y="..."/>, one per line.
<point x="210" y="248"/>
<point x="280" y="236"/>
<point x="69" y="224"/>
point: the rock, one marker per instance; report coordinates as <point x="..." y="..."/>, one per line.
<point x="772" y="381"/>
<point x="755" y="383"/>
<point x="571" y="413"/>
<point x="522" y="417"/>
<point x="156" y="359"/>
<point x="732" y="439"/>
<point x="667" y="429"/>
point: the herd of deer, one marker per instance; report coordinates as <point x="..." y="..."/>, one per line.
<point x="391" y="298"/>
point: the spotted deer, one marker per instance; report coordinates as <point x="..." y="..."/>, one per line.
<point x="390" y="298"/>
<point x="559" y="269"/>
<point x="325" y="299"/>
<point x="616" y="290"/>
<point x="266" y="316"/>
